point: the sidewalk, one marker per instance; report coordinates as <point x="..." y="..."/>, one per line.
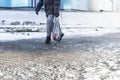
<point x="74" y="58"/>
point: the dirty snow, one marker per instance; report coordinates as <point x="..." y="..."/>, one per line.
<point x="102" y="63"/>
<point x="69" y="32"/>
<point x="63" y="66"/>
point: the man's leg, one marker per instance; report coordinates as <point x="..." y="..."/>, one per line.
<point x="50" y="25"/>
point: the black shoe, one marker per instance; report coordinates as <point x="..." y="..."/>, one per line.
<point x="48" y="39"/>
<point x="61" y="36"/>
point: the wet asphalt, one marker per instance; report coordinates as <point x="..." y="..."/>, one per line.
<point x="110" y="41"/>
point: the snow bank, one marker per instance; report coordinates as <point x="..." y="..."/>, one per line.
<point x="69" y="19"/>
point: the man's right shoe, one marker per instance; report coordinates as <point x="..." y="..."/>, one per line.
<point x="48" y="39"/>
<point x="61" y="36"/>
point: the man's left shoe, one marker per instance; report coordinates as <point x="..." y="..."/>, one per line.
<point x="48" y="39"/>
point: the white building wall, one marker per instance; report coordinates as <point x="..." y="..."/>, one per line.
<point x="97" y="5"/>
<point x="118" y="5"/>
<point x="19" y="3"/>
<point x="79" y="4"/>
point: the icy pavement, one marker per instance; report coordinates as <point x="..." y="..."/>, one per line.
<point x="75" y="39"/>
<point x="83" y="54"/>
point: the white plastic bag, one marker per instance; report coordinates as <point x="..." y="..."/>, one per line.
<point x="56" y="29"/>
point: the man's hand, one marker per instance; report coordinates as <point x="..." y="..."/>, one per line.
<point x="56" y="16"/>
<point x="36" y="11"/>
